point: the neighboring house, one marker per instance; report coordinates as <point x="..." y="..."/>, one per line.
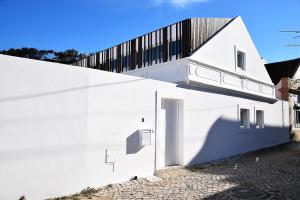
<point x="286" y="75"/>
<point x="64" y="128"/>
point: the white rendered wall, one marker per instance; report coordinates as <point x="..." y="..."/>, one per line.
<point x="56" y="122"/>
<point x="172" y="71"/>
<point x="212" y="128"/>
<point x="220" y="52"/>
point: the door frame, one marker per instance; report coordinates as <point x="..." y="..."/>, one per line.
<point x="173" y="95"/>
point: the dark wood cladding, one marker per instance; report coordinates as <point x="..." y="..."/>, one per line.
<point x="140" y="52"/>
<point x="119" y="58"/>
<point x="107" y="67"/>
<point x="98" y="60"/>
<point x="133" y="54"/>
<point x="172" y="42"/>
<point x="186" y="38"/>
<point x="165" y="45"/>
<point x="205" y="28"/>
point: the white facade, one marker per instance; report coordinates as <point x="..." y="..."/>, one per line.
<point x="65" y="128"/>
<point x="215" y="65"/>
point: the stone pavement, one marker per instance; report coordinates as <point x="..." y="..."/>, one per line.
<point x="272" y="173"/>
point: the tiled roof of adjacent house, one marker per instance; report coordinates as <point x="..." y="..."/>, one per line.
<point x="282" y="69"/>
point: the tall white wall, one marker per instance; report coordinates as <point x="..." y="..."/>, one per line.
<point x="56" y="122"/>
<point x="175" y="71"/>
<point x="212" y="128"/>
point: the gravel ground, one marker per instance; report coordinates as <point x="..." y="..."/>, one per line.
<point x="272" y="173"/>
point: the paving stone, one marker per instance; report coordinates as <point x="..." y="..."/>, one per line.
<point x="274" y="172"/>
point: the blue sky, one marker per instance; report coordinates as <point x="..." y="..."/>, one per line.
<point x="92" y="25"/>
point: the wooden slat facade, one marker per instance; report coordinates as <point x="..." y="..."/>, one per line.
<point x="175" y="41"/>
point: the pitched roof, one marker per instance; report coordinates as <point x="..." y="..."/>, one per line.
<point x="282" y="69"/>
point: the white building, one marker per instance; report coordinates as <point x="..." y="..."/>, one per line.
<point x="286" y="76"/>
<point x="63" y="128"/>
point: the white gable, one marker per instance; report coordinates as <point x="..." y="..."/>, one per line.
<point x="221" y="50"/>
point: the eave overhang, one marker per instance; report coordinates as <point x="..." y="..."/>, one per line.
<point x="222" y="81"/>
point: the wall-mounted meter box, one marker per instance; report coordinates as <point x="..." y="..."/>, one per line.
<point x="110" y="156"/>
<point x="144" y="137"/>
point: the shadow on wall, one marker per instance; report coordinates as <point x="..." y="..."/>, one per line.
<point x="225" y="138"/>
<point x="132" y="143"/>
<point x="214" y="90"/>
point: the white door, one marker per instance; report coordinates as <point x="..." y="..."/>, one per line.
<point x="170" y="131"/>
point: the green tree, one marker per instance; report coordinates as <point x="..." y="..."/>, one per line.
<point x="67" y="57"/>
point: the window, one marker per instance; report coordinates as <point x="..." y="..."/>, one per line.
<point x="298" y="98"/>
<point x="241" y="60"/>
<point x="244" y="118"/>
<point x="259" y="119"/>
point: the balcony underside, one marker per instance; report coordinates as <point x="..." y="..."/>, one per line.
<point x="229" y="83"/>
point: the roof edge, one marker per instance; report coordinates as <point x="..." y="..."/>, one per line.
<point x="231" y="20"/>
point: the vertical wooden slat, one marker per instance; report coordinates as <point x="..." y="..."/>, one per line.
<point x="160" y="46"/>
<point x="186" y="35"/>
<point x="118" y="60"/>
<point x="121" y="57"/>
<point x="127" y="54"/>
<point x="101" y="60"/>
<point x="165" y="44"/>
<point x="133" y="54"/>
<point x="88" y="61"/>
<point x="145" y="52"/>
<point x="170" y="43"/>
<point x="176" y="46"/>
<point x="156" y="47"/>
<point x="140" y="52"/>
<point x="98" y="60"/>
<point x="107" y="59"/>
<point x="150" y="48"/>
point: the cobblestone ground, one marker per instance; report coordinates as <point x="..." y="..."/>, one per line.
<point x="271" y="174"/>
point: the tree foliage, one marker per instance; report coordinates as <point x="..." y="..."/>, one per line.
<point x="67" y="57"/>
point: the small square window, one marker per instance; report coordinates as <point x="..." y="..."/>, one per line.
<point x="259" y="119"/>
<point x="244" y="118"/>
<point x="241" y="60"/>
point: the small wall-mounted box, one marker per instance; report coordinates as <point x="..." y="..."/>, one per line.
<point x="110" y="156"/>
<point x="144" y="137"/>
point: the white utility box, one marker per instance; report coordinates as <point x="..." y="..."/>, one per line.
<point x="144" y="137"/>
<point x="110" y="156"/>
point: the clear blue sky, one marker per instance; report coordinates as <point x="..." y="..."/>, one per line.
<point x="92" y="25"/>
